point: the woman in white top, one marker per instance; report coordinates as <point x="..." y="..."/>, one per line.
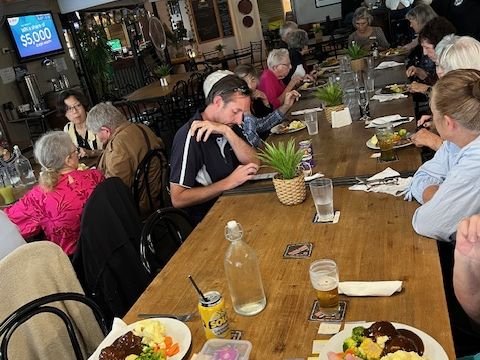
<point x="74" y="106"/>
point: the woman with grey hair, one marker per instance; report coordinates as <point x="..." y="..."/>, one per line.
<point x="278" y="63"/>
<point x="297" y="41"/>
<point x="55" y="205"/>
<point x="418" y="17"/>
<point x="365" y="33"/>
<point x="284" y="30"/>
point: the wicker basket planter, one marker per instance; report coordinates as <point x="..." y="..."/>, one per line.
<point x="330" y="109"/>
<point x="290" y="192"/>
<point x="359" y="65"/>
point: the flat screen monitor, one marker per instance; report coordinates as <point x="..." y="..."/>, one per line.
<point x="34" y="35"/>
<point x="115" y="44"/>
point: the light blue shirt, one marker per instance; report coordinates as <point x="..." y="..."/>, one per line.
<point x="457" y="172"/>
<point x="252" y="125"/>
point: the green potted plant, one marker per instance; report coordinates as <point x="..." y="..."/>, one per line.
<point x="220" y="48"/>
<point x="357" y="55"/>
<point x="163" y="73"/>
<point x="332" y="97"/>
<point x="318" y="32"/>
<point x="285" y="159"/>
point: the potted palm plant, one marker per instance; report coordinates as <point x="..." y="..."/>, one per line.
<point x="357" y="55"/>
<point x="163" y="72"/>
<point x="285" y="159"/>
<point x="220" y="48"/>
<point x="332" y="97"/>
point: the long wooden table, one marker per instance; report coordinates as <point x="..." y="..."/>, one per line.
<point x="155" y="90"/>
<point x="373" y="240"/>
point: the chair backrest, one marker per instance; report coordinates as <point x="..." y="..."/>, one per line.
<point x="142" y="181"/>
<point x="163" y="233"/>
<point x="30" y="274"/>
<point x="195" y="91"/>
<point x="256" y="49"/>
<point x="243" y="55"/>
<point x="209" y="55"/>
<point x="44" y="305"/>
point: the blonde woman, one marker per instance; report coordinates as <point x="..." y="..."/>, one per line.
<point x="55" y="205"/>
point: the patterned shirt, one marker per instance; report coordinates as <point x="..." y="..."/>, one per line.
<point x="57" y="212"/>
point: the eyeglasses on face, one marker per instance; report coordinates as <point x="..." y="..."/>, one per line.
<point x="76" y="107"/>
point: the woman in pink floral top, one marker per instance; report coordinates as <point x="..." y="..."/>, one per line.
<point x="55" y="206"/>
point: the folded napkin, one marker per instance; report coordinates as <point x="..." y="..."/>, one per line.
<point x="118" y="329"/>
<point x="388" y="97"/>
<point x="369" y="288"/>
<point x="393" y="120"/>
<point x="396" y="188"/>
<point x="388" y="64"/>
<point x="341" y="118"/>
<point x="301" y="112"/>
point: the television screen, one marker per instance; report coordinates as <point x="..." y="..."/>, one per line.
<point x="34" y="35"/>
<point x="115" y="44"/>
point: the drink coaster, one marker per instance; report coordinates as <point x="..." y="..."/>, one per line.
<point x="317" y="315"/>
<point x="383" y="162"/>
<point x="336" y="218"/>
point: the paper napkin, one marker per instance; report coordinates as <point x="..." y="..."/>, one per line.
<point x="301" y="112"/>
<point x="369" y="288"/>
<point x="388" y="97"/>
<point x="395" y="189"/>
<point x="341" y="118"/>
<point x="388" y="64"/>
<point x="118" y="329"/>
<point x="393" y="120"/>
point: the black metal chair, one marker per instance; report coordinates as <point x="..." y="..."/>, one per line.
<point x="142" y="182"/>
<point x="44" y="305"/>
<point x="163" y="233"/>
<point x="196" y="97"/>
<point x="243" y="55"/>
<point x="256" y="49"/>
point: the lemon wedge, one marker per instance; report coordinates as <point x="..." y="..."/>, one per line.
<point x="374" y="140"/>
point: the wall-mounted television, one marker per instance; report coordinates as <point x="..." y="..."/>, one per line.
<point x="115" y="44"/>
<point x="34" y="35"/>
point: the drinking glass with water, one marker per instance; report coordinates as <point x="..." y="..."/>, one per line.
<point x="322" y="194"/>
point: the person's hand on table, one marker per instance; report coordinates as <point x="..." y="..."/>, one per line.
<point x="416" y="87"/>
<point x="416" y="71"/>
<point x="291" y="97"/>
<point x="425" y="121"/>
<point x="241" y="174"/>
<point x="424" y="137"/>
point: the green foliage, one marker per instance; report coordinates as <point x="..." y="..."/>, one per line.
<point x="174" y="38"/>
<point x="220" y="47"/>
<point x="355" y="51"/>
<point x="331" y="94"/>
<point x="98" y="58"/>
<point x="162" y="70"/>
<point x="284" y="159"/>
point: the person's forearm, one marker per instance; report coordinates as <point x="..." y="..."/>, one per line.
<point x="184" y="197"/>
<point x="244" y="152"/>
<point x="466" y="282"/>
<point x="429" y="192"/>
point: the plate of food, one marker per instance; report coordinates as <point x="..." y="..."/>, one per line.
<point x="394" y="89"/>
<point x="312" y="85"/>
<point x="382" y="340"/>
<point x="401" y="139"/>
<point x="295" y="125"/>
<point x="330" y="62"/>
<point x="393" y="52"/>
<point x="159" y="338"/>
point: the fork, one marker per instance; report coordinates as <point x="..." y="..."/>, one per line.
<point x="180" y="317"/>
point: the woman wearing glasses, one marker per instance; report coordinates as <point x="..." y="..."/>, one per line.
<point x="74" y="106"/>
<point x="55" y="205"/>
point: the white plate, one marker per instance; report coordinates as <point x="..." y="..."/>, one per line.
<point x="433" y="350"/>
<point x="277" y="129"/>
<point x="179" y="332"/>
<point x="375" y="147"/>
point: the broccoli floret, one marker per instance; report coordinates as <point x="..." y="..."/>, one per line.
<point x="349" y="343"/>
<point x="358" y="334"/>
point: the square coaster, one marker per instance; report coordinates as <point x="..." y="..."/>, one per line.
<point x="298" y="251"/>
<point x="317" y="315"/>
<point x="236" y="334"/>
<point x="383" y="162"/>
<point x="336" y="218"/>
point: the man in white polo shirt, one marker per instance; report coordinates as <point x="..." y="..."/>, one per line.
<point x="209" y="153"/>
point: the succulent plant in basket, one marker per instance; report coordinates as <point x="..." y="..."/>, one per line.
<point x="162" y="70"/>
<point x="332" y="96"/>
<point x="285" y="159"/>
<point x="357" y="54"/>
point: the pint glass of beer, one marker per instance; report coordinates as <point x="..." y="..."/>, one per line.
<point x="324" y="278"/>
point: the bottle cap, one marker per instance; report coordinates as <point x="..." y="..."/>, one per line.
<point x="233" y="231"/>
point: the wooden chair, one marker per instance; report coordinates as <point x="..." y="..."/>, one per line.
<point x="243" y="54"/>
<point x="256" y="49"/>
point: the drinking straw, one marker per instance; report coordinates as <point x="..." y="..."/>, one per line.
<point x="197" y="288"/>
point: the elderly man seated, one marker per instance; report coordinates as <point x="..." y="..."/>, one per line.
<point x="210" y="154"/>
<point x="448" y="186"/>
<point x="125" y="145"/>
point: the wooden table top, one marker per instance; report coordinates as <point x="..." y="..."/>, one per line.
<point x="386" y="248"/>
<point x="155" y="90"/>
